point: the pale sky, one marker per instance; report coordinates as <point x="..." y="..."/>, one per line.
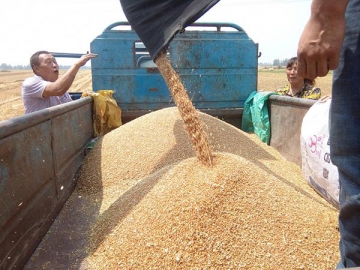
<point x="69" y="26"/>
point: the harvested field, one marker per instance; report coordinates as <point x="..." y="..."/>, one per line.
<point x="143" y="201"/>
<point x="10" y="87"/>
<point x="269" y="80"/>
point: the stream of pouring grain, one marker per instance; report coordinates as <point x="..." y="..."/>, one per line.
<point x="189" y="114"/>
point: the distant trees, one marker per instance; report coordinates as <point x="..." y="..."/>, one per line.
<point x="5" y="66"/>
<point x="276" y="63"/>
<point x="264" y="64"/>
<point x="280" y="63"/>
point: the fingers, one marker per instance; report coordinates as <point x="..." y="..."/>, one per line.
<point x="308" y="68"/>
<point x="90" y="55"/>
<point x="333" y="63"/>
<point x="311" y="69"/>
<point x="301" y="67"/>
<point x="86" y="57"/>
<point x="322" y="68"/>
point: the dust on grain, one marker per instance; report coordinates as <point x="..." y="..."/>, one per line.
<point x="189" y="114"/>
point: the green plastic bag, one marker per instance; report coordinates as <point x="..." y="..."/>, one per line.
<point x="255" y="117"/>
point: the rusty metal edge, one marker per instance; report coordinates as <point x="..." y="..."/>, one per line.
<point x="16" y="124"/>
<point x="303" y="102"/>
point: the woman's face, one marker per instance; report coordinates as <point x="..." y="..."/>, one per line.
<point x="292" y="76"/>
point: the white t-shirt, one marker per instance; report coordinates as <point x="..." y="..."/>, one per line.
<point x="32" y="91"/>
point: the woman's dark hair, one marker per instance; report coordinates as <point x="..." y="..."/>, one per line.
<point x="293" y="61"/>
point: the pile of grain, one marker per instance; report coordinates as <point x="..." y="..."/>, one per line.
<point x="144" y="201"/>
<point x="160" y="208"/>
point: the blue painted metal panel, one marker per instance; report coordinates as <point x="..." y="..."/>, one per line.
<point x="68" y="144"/>
<point x="40" y="155"/>
<point x="218" y="68"/>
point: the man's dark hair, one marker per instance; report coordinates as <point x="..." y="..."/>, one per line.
<point x="34" y="59"/>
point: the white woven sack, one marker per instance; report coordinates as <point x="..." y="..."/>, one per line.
<point x="317" y="167"/>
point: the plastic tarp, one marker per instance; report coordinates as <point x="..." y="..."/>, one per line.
<point x="255" y="117"/>
<point x="106" y="113"/>
<point x="157" y="21"/>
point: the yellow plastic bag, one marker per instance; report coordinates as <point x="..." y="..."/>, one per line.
<point x="106" y="112"/>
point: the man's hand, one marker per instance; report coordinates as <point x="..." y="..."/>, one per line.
<point x="321" y="41"/>
<point x="86" y="57"/>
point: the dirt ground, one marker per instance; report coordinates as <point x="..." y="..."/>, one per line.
<point x="10" y="87"/>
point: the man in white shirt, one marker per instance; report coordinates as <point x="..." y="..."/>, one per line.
<point x="45" y="89"/>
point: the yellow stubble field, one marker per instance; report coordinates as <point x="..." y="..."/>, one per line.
<point x="10" y="87"/>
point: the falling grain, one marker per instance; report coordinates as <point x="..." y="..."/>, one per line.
<point x="188" y="113"/>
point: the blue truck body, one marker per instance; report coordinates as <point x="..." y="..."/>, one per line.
<point x="217" y="63"/>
